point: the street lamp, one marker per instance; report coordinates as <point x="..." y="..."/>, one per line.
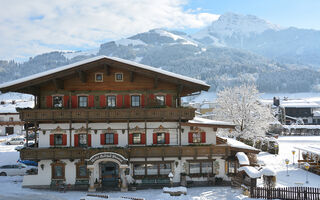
<point x="307" y="166"/>
<point x="293" y="152"/>
<point x="276" y="150"/>
<point x="287" y="162"/>
<point x="171" y="179"/>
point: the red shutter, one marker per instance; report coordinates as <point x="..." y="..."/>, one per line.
<point x="66" y="101"/>
<point x="52" y="140"/>
<point x="143" y="138"/>
<point x="74" y="101"/>
<point x="115" y="139"/>
<point x="203" y="137"/>
<point x="127" y="101"/>
<point x="130" y="138"/>
<point x="142" y="101"/>
<point x="151" y="96"/>
<point x="89" y="140"/>
<point x="119" y="100"/>
<point x="102" y="101"/>
<point x="102" y="139"/>
<point x="64" y="139"/>
<point x="91" y="101"/>
<point x="167" y="138"/>
<point x="49" y="101"/>
<point x="76" y="140"/>
<point x="190" y="137"/>
<point x="169" y="100"/>
<point x="155" y="138"/>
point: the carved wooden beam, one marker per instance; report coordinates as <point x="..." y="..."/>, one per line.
<point x="82" y="76"/>
<point x="155" y="82"/>
<point x="107" y="69"/>
<point x="131" y="76"/>
<point x="58" y="83"/>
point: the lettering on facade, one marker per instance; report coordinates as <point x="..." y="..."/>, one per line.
<point x="110" y="155"/>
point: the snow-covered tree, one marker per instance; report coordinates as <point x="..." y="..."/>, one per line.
<point x="241" y="105"/>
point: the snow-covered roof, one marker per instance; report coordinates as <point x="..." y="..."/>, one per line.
<point x="316" y="113"/>
<point x="76" y="64"/>
<point x="199" y="120"/>
<point x="298" y="103"/>
<point x="250" y="171"/>
<point x="310" y="149"/>
<point x="238" y="144"/>
<point x="8" y="107"/>
<point x="268" y="172"/>
<point x="243" y="158"/>
<point x="301" y="127"/>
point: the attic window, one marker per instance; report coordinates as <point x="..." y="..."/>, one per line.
<point x="119" y="77"/>
<point x="99" y="77"/>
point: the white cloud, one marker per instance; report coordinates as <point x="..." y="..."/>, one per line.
<point x="31" y="27"/>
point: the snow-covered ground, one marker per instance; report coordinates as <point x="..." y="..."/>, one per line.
<point x="11" y="186"/>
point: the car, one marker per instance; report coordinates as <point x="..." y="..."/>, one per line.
<point x="18" y="169"/>
<point x="31" y="144"/>
<point x="16" y="140"/>
<point x="28" y="162"/>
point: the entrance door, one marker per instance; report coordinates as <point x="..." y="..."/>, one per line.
<point x="109" y="174"/>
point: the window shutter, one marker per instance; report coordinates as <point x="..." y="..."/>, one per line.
<point x="151" y="96"/>
<point x="190" y="137"/>
<point x="52" y="140"/>
<point x="91" y="101"/>
<point x="115" y="138"/>
<point x="143" y="138"/>
<point x="76" y="140"/>
<point x="64" y="139"/>
<point x="102" y="139"/>
<point x="167" y="138"/>
<point x="102" y="101"/>
<point x="89" y="140"/>
<point x="119" y="100"/>
<point x="74" y="101"/>
<point x="169" y="100"/>
<point x="130" y="139"/>
<point x="49" y="101"/>
<point x="66" y="101"/>
<point x="203" y="137"/>
<point x="127" y="101"/>
<point x="142" y="101"/>
<point x="155" y="138"/>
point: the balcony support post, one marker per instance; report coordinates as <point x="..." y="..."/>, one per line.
<point x="70" y="133"/>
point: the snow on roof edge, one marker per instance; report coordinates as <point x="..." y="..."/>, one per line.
<point x="242" y="158"/>
<point x="76" y="64"/>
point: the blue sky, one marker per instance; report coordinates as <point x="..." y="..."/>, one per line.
<point x="40" y="26"/>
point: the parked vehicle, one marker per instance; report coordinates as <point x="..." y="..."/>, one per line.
<point x="18" y="169"/>
<point x="31" y="144"/>
<point x="28" y="162"/>
<point x="16" y="140"/>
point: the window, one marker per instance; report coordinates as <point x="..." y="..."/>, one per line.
<point x="136" y="138"/>
<point x="57" y="139"/>
<point x="194" y="168"/>
<point x="83" y="101"/>
<point x="206" y="167"/>
<point x="165" y="168"/>
<point x="11" y="119"/>
<point x="139" y="169"/>
<point x="82" y="140"/>
<point x="58" y="171"/>
<point x="196" y="137"/>
<point x="201" y="167"/>
<point x="109" y="138"/>
<point x="118" y="77"/>
<point x="152" y="169"/>
<point x="161" y="138"/>
<point x="135" y="101"/>
<point x="82" y="171"/>
<point x="99" y="77"/>
<point x="57" y="101"/>
<point x="160" y="100"/>
<point x="232" y="167"/>
<point x="111" y="101"/>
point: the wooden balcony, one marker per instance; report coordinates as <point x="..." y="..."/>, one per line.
<point x="130" y="152"/>
<point x="106" y="115"/>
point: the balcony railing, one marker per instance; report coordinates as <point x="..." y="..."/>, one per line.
<point x="106" y="114"/>
<point x="130" y="152"/>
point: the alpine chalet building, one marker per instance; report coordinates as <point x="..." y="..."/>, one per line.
<point x="104" y="121"/>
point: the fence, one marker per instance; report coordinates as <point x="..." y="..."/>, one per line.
<point x="290" y="193"/>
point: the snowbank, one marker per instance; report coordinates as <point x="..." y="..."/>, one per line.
<point x="268" y="172"/>
<point x="175" y="189"/>
<point x="243" y="158"/>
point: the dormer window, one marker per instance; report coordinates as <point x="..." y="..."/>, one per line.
<point x="119" y="77"/>
<point x="99" y="77"/>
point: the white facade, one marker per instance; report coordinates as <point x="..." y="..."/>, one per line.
<point x="10" y="121"/>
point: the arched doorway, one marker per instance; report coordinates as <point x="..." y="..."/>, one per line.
<point x="109" y="174"/>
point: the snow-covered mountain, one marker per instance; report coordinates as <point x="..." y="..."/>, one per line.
<point x="232" y="50"/>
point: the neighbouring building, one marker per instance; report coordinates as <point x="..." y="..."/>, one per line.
<point x="103" y="121"/>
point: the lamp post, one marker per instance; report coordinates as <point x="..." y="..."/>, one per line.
<point x="171" y="179"/>
<point x="276" y="150"/>
<point x="287" y="163"/>
<point x="307" y="166"/>
<point x="293" y="152"/>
